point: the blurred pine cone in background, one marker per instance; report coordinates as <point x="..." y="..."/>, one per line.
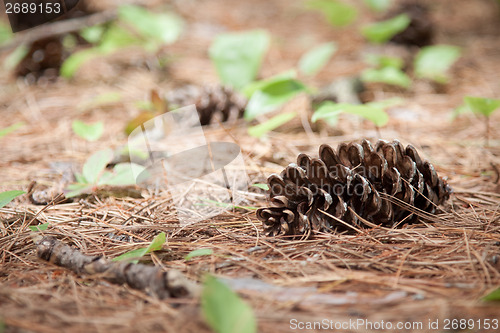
<point x="212" y="102"/>
<point x="383" y="185"/>
<point x="420" y="32"/>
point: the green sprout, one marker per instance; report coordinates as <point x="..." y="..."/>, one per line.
<point x="134" y="255"/>
<point x="89" y="132"/>
<point x="312" y="61"/>
<point x="94" y="174"/>
<point x="378" y="5"/>
<point x="224" y="310"/>
<point x="484" y="107"/>
<point x="237" y="56"/>
<point x="135" y="26"/>
<point x="260" y="130"/>
<point x="387" y="70"/>
<point x="10" y="129"/>
<point x="373" y="111"/>
<point x="198" y="253"/>
<point x="338" y="13"/>
<point x="272" y="94"/>
<point x="381" y="32"/>
<point x="493" y="296"/>
<point x="8" y="196"/>
<point x="433" y="62"/>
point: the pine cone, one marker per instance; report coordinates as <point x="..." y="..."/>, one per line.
<point x="421" y="29"/>
<point x="381" y="184"/>
<point x="210" y="102"/>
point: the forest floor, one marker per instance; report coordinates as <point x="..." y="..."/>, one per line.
<point x="435" y="270"/>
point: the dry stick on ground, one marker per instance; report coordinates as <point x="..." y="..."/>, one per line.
<point x="146" y="278"/>
<point x="60" y="28"/>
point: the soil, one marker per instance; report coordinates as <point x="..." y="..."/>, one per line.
<point x="436" y="270"/>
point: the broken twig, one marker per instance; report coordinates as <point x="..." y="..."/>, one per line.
<point x="150" y="279"/>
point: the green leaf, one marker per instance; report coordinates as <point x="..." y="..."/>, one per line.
<point x="317" y="58"/>
<point x="93" y="34"/>
<point x="264" y="187"/>
<point x="237" y="56"/>
<point x="252" y="87"/>
<point x="381" y="32"/>
<point x="107" y="98"/>
<point x="492" y="296"/>
<point x="198" y="253"/>
<point x="464" y="108"/>
<point x="336" y="12"/>
<point x="10" y="129"/>
<point x="164" y="28"/>
<point x="75" y="189"/>
<point x="8" y="196"/>
<point x="378" y="5"/>
<point x="381" y="61"/>
<point x="272" y="96"/>
<point x="96" y="164"/>
<point x="41" y="227"/>
<point x="374" y="113"/>
<point x="71" y="65"/>
<point x="433" y="62"/>
<point x="156" y="245"/>
<point x="116" y="37"/>
<point x="123" y="174"/>
<point x="224" y="311"/>
<point x="14" y="58"/>
<point x="5" y="32"/>
<point x="480" y="105"/>
<point x="388" y="75"/>
<point x="89" y="132"/>
<point x="273" y="123"/>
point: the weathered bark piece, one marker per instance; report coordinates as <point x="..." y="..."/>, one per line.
<point x="150" y="279"/>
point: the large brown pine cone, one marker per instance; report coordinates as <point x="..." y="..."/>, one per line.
<point x="384" y="185"/>
<point x="211" y="102"/>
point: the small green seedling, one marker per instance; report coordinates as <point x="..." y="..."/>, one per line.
<point x="382" y="32"/>
<point x="89" y="132"/>
<point x="237" y="56"/>
<point x="484" y="107"/>
<point x="101" y="100"/>
<point x="387" y="70"/>
<point x="38" y="228"/>
<point x="433" y="62"/>
<point x="262" y="129"/>
<point x="8" y="196"/>
<point x="387" y="75"/>
<point x="10" y="129"/>
<point x="378" y="5"/>
<point x="271" y="95"/>
<point x="493" y="296"/>
<point x="5" y="33"/>
<point x="312" y="62"/>
<point x="198" y="253"/>
<point x="15" y="57"/>
<point x="134" y="255"/>
<point x="338" y="13"/>
<point x="264" y="187"/>
<point x="374" y="111"/>
<point x="135" y="26"/>
<point x="224" y="310"/>
<point x="94" y="174"/>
